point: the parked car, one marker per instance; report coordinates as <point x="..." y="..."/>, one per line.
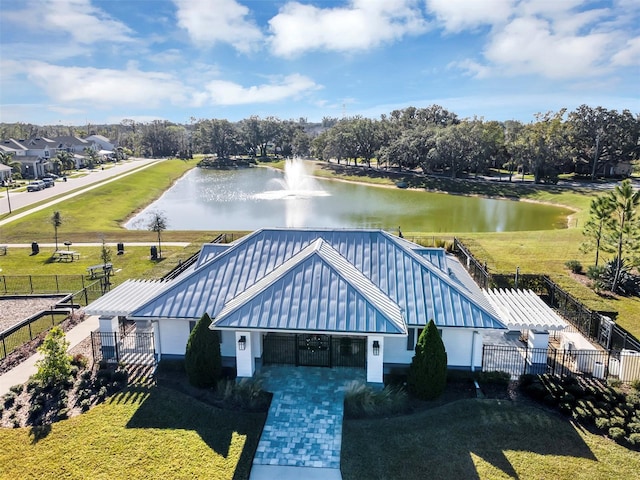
<point x="36" y="186"/>
<point x="48" y="182"/>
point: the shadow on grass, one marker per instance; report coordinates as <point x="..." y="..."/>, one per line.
<point x="442" y="441"/>
<point x="39" y="432"/>
<point x="162" y="408"/>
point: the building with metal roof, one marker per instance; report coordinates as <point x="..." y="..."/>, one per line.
<point x="314" y="297"/>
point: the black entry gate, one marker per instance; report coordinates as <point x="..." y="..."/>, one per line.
<point x="314" y="350"/>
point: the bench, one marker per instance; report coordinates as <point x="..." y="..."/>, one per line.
<point x="100" y="270"/>
<point x="3" y="249"/>
<point x="66" y="255"/>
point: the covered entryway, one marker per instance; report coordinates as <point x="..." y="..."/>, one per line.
<point x="314" y="350"/>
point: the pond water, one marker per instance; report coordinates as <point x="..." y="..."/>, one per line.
<point x="254" y="198"/>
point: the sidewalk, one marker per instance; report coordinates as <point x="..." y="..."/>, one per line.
<point x="22" y="372"/>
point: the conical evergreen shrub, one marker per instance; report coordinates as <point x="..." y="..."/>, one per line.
<point x="202" y="360"/>
<point x="427" y="377"/>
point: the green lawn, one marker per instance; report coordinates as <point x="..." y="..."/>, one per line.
<point x="144" y="432"/>
<point x="481" y="439"/>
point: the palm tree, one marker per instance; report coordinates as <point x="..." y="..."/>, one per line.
<point x="66" y="160"/>
<point x="625" y="226"/>
<point x="56" y="221"/>
<point x="6" y="158"/>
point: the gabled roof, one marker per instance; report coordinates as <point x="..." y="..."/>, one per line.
<point x="421" y="289"/>
<point x="210" y="251"/>
<point x="291" y="298"/>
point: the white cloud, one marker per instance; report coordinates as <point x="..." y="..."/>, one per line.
<point x="218" y="21"/>
<point x="84" y="22"/>
<point x="629" y="55"/>
<point x="458" y="15"/>
<point x="529" y="45"/>
<point x="362" y="25"/>
<point x="105" y="87"/>
<point x="221" y="92"/>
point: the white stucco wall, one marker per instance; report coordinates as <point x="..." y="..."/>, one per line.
<point x="173" y="336"/>
<point x="457" y="342"/>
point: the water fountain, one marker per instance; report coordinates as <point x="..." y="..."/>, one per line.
<point x="297" y="183"/>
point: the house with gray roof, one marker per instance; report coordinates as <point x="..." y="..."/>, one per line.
<point x="317" y="297"/>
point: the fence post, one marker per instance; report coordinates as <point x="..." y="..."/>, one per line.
<point x="115" y="342"/>
<point x="57" y="285"/>
<point x="86" y="297"/>
<point x="30" y="334"/>
<point x="4" y="348"/>
<point x="31" y="283"/>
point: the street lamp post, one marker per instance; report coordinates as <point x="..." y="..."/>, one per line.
<point x="8" y="199"/>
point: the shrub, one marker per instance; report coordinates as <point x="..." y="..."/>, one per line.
<point x="527" y="379"/>
<point x="34" y="385"/>
<point x="55" y="365"/>
<point x="202" y="360"/>
<point x="17" y="389"/>
<point x="427" y="376"/>
<point x="79" y="361"/>
<point x="616" y="433"/>
<point x="634" y="427"/>
<point x="63" y="413"/>
<point x="120" y="376"/>
<point x="495" y="377"/>
<point x="9" y="399"/>
<point x="246" y="394"/>
<point x="634" y="439"/>
<point x="635" y="384"/>
<point x="536" y="391"/>
<point x="602" y="423"/>
<point x="574" y="265"/>
<point x="361" y="400"/>
<point x="85" y="404"/>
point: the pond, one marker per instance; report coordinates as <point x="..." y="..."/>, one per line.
<point x="254" y="198"/>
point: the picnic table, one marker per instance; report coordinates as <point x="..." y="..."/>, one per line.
<point x="99" y="270"/>
<point x="66" y="255"/>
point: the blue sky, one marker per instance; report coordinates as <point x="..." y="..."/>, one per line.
<point x="102" y="61"/>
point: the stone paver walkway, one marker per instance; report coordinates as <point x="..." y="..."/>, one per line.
<point x="302" y="436"/>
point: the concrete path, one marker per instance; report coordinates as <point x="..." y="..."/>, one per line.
<point x="302" y="436"/>
<point x="22" y="372"/>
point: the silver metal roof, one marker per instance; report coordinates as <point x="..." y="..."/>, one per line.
<point x="210" y="251"/>
<point x="418" y="287"/>
<point x="300" y="284"/>
<point x="524" y="310"/>
<point x="126" y="297"/>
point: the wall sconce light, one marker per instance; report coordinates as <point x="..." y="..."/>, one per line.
<point x="376" y="348"/>
<point x="242" y="343"/>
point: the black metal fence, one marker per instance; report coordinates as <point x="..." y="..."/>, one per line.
<point x="615" y="364"/>
<point x="599" y="327"/>
<point x="132" y="348"/>
<point x="30" y="284"/>
<point x="28" y="329"/>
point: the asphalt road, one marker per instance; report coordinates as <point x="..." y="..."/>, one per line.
<point x="94" y="179"/>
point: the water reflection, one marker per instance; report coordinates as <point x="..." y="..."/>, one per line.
<point x="233" y="200"/>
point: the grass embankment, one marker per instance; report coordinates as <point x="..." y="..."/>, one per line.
<point x="543" y="251"/>
<point x="483" y="439"/>
<point x="101" y="212"/>
<point x="144" y="432"/>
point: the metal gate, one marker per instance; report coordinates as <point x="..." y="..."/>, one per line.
<point x="133" y="348"/>
<point x="314" y="350"/>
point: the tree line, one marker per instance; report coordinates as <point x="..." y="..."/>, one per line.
<point x="592" y="141"/>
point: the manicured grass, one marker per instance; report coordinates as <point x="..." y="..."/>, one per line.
<point x="484" y="439"/>
<point x="144" y="432"/>
<point x="134" y="263"/>
<point x="102" y="211"/>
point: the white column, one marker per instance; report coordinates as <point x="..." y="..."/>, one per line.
<point x="375" y="362"/>
<point x="108" y="337"/>
<point x="245" y="363"/>
<point x="538" y="340"/>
